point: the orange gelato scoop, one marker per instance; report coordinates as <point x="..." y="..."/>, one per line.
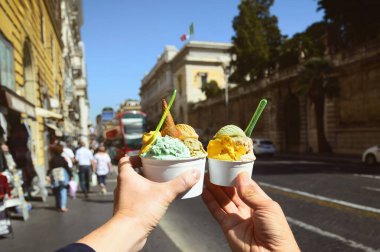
<point x="225" y="148"/>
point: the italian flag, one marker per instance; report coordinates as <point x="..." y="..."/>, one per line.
<point x="187" y="35"/>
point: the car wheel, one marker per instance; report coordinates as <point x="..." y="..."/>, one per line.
<point x="370" y="159"/>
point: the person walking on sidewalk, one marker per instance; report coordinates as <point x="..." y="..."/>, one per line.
<point x="102" y="167"/>
<point x="85" y="160"/>
<point x="59" y="175"/>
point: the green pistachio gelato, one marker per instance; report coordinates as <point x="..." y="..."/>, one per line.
<point x="165" y="148"/>
<point x="231" y="131"/>
<point x="195" y="147"/>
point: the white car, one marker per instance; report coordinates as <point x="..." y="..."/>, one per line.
<point x="263" y="147"/>
<point x="371" y="155"/>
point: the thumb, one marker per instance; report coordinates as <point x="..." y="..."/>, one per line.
<point x="250" y="192"/>
<point x="182" y="183"/>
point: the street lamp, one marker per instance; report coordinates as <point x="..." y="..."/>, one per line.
<point x="227" y="70"/>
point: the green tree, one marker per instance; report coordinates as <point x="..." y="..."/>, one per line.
<point x="211" y="89"/>
<point x="256" y="41"/>
<point x="318" y="82"/>
<point x="309" y="43"/>
<point x="351" y="22"/>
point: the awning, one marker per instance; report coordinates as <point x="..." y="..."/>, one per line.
<point x="47" y="113"/>
<point x="20" y="104"/>
<point x="57" y="131"/>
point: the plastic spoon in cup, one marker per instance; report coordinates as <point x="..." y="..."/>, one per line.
<point x="159" y="125"/>
<point x="255" y="117"/>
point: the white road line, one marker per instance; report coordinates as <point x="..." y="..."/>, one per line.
<point x="324" y="233"/>
<point x="322" y="198"/>
<point x="376" y="189"/>
<point x="367" y="176"/>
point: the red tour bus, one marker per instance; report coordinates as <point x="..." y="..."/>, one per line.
<point x="123" y="134"/>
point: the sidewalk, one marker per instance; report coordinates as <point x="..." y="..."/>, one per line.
<point x="337" y="158"/>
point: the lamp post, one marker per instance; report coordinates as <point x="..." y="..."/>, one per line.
<point x="227" y="70"/>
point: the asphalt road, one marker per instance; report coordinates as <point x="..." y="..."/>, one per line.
<point x="331" y="206"/>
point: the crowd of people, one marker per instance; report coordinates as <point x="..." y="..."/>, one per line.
<point x="85" y="163"/>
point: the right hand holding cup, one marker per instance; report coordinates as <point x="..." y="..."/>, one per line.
<point x="249" y="218"/>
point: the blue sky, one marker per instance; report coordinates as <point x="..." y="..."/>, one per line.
<point x="124" y="38"/>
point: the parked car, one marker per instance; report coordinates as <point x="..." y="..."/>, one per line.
<point x="371" y="156"/>
<point x="263" y="147"/>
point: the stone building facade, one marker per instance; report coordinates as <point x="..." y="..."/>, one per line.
<point x="42" y="79"/>
<point x="352" y="120"/>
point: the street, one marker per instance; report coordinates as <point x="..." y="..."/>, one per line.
<point x="331" y="206"/>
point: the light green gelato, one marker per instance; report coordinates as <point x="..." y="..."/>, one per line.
<point x="165" y="148"/>
<point x="231" y="131"/>
<point x="195" y="147"/>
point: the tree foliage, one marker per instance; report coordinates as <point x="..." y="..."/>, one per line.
<point x="256" y="39"/>
<point x="211" y="89"/>
<point x="351" y="22"/>
<point x="303" y="46"/>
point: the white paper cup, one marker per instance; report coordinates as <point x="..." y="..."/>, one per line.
<point x="165" y="170"/>
<point x="224" y="173"/>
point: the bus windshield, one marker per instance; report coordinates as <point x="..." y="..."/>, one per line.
<point x="134" y="126"/>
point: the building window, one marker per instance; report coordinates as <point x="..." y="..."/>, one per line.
<point x="7" y="78"/>
<point x="42" y="28"/>
<point x="203" y="77"/>
<point x="179" y="84"/>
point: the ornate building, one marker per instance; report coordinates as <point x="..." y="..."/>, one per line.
<point x="186" y="70"/>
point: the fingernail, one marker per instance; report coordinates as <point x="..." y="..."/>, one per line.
<point x="245" y="178"/>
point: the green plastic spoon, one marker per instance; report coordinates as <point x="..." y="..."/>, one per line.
<point x="255" y="117"/>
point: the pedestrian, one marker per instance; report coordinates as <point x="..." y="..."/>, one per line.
<point x="250" y="219"/>
<point x="69" y="155"/>
<point x="85" y="160"/>
<point x="59" y="175"/>
<point x="102" y="167"/>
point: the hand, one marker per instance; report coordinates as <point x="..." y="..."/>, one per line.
<point x="145" y="201"/>
<point x="249" y="218"/>
<point x="48" y="179"/>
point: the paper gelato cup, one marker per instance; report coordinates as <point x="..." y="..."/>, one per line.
<point x="165" y="170"/>
<point x="224" y="173"/>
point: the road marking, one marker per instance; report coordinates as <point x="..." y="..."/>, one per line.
<point x="348" y="242"/>
<point x="376" y="189"/>
<point x="367" y="176"/>
<point x="322" y="198"/>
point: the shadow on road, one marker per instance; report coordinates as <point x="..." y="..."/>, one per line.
<point x="268" y="166"/>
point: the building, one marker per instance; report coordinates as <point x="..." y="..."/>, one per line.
<point x="76" y="104"/>
<point x="128" y="105"/>
<point x="186" y="70"/>
<point x="43" y="86"/>
<point x="31" y="78"/>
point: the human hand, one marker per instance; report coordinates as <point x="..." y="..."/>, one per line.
<point x="249" y="218"/>
<point x="143" y="200"/>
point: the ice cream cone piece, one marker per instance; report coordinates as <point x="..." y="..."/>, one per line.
<point x="168" y="128"/>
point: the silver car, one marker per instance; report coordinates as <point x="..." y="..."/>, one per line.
<point x="263" y="147"/>
<point x="371" y="156"/>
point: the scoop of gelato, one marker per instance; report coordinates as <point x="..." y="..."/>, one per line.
<point x="195" y="147"/>
<point x="167" y="148"/>
<point x="230" y="130"/>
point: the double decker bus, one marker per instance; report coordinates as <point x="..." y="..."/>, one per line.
<point x="123" y="134"/>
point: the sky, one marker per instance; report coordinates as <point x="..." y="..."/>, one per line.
<point x="123" y="38"/>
